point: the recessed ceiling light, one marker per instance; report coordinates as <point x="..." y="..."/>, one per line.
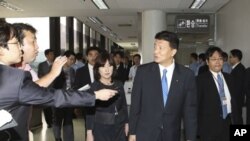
<point x="9" y="6"/>
<point x="197" y="4"/>
<point x="100" y="4"/>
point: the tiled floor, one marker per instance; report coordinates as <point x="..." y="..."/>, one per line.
<point x="46" y="134"/>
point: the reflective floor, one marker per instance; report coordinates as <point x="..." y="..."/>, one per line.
<point x="46" y="134"/>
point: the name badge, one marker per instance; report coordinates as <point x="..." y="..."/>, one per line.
<point x="224" y="100"/>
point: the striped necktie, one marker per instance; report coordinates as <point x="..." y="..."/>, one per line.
<point x="222" y="95"/>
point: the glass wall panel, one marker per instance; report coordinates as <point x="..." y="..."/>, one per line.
<point x="41" y="24"/>
<point x="76" y="35"/>
<point x="64" y="40"/>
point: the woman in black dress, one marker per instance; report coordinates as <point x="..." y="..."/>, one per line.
<point x="107" y="121"/>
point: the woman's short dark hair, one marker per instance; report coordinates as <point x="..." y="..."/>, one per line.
<point x="100" y="62"/>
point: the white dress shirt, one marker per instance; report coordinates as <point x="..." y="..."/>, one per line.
<point x="132" y="72"/>
<point x="170" y="71"/>
<point x="91" y="72"/>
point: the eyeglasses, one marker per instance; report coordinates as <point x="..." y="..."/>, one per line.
<point x="216" y="59"/>
<point x="16" y="43"/>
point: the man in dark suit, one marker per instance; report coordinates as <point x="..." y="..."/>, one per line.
<point x="17" y="88"/>
<point x="29" y="116"/>
<point x="216" y="103"/>
<point x="120" y="72"/>
<point x="126" y="66"/>
<point x="247" y="90"/>
<point x="238" y="73"/>
<point x="43" y="69"/>
<point x="164" y="93"/>
<point x="85" y="74"/>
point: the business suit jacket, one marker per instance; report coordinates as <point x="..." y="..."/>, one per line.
<point x="247" y="90"/>
<point x="108" y="117"/>
<point x="149" y="117"/>
<point x="126" y="71"/>
<point x="43" y="69"/>
<point x="120" y="73"/>
<point x="238" y="74"/>
<point x="82" y="77"/>
<point x="210" y="120"/>
<point x="17" y="89"/>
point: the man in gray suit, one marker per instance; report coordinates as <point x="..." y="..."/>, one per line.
<point x="18" y="89"/>
<point x="43" y="69"/>
<point x="164" y="93"/>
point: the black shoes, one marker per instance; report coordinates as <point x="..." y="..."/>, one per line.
<point x="59" y="139"/>
<point x="49" y="126"/>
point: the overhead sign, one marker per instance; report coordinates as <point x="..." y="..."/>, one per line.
<point x="192" y="23"/>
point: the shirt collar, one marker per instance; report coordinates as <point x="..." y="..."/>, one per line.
<point x="235" y="65"/>
<point x="170" y="67"/>
<point x="90" y="66"/>
<point x="215" y="73"/>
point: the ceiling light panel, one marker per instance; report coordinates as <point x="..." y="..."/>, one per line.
<point x="100" y="4"/>
<point x="95" y="20"/>
<point x="9" y="6"/>
<point x="197" y="4"/>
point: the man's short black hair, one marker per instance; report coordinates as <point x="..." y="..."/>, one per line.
<point x="171" y="37"/>
<point x="92" y="48"/>
<point x="47" y="51"/>
<point x="236" y="53"/>
<point x="21" y="27"/>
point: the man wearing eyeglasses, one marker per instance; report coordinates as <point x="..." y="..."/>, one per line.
<point x="217" y="109"/>
<point x="17" y="88"/>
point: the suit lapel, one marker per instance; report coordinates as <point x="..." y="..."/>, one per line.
<point x="156" y="81"/>
<point x="174" y="83"/>
<point x="88" y="75"/>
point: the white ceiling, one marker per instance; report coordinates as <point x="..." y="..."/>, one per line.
<point x="120" y="12"/>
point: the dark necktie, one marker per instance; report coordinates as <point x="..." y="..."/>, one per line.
<point x="164" y="84"/>
<point x="222" y="95"/>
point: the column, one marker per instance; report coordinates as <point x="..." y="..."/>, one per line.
<point x="152" y="22"/>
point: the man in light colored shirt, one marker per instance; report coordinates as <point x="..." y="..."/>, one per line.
<point x="226" y="66"/>
<point x="79" y="62"/>
<point x="194" y="63"/>
<point x="28" y="41"/>
<point x="137" y="62"/>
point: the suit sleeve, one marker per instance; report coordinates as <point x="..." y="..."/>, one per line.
<point x="124" y="106"/>
<point x="39" y="73"/>
<point x="72" y="77"/>
<point x="90" y="111"/>
<point x="190" y="107"/>
<point x="31" y="93"/>
<point x="135" y="108"/>
<point x="77" y="81"/>
<point x="247" y="91"/>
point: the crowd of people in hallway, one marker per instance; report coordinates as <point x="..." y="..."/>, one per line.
<point x="207" y="96"/>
